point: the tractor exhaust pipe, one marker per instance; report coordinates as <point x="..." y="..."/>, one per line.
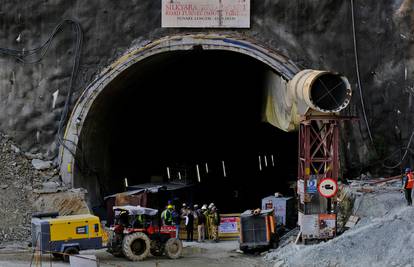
<point x="323" y="91"/>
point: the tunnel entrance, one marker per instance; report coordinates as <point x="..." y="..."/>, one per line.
<point x="187" y="117"/>
<point x="186" y="110"/>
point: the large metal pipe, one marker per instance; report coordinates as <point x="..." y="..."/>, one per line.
<point x="323" y="91"/>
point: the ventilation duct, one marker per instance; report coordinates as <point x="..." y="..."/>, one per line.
<point x="323" y="91"/>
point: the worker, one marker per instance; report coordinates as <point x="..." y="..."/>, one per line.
<point x="209" y="221"/>
<point x="189" y="224"/>
<point x="177" y="221"/>
<point x="206" y="213"/>
<point x="138" y="221"/>
<point x="215" y="222"/>
<point x="166" y="215"/>
<point x="408" y="183"/>
<point x="201" y="221"/>
<point x="124" y="218"/>
<point x="183" y="210"/>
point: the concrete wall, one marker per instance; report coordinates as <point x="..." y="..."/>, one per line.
<point x="314" y="34"/>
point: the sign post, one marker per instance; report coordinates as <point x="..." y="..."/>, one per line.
<point x="328" y="187"/>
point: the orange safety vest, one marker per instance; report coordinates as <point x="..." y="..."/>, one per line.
<point x="410" y="181"/>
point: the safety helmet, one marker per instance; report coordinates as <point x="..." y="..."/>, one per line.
<point x="211" y="205"/>
<point x="184" y="205"/>
<point x="407" y="169"/>
<point x="204" y="207"/>
<point x="170" y="206"/>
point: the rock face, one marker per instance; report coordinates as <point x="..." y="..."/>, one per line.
<point x="66" y="203"/>
<point x="313" y="34"/>
<point x="25" y="189"/>
<point x="17" y="179"/>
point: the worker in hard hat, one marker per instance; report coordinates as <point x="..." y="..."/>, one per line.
<point x="167" y="216"/>
<point x="215" y="222"/>
<point x="206" y="213"/>
<point x="210" y="224"/>
<point x="408" y="183"/>
<point x="201" y="222"/>
<point x="177" y="221"/>
<point x="183" y="211"/>
<point x="189" y="224"/>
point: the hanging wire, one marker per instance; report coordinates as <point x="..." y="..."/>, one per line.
<point x="357" y="72"/>
<point x="33" y="56"/>
<point x="407" y="148"/>
<point x="29" y="57"/>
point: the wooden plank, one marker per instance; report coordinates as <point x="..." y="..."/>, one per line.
<point x="352" y="221"/>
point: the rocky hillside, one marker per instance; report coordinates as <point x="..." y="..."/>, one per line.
<point x="29" y="184"/>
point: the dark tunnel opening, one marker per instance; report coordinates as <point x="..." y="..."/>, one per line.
<point x="192" y="118"/>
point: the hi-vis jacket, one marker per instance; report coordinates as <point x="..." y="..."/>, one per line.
<point x="408" y="181"/>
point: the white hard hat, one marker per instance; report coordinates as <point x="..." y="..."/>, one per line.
<point x="204" y="207"/>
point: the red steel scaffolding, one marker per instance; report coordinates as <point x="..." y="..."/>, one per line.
<point x="318" y="159"/>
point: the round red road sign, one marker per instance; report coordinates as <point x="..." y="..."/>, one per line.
<point x="328" y="187"/>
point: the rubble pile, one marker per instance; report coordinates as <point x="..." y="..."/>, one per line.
<point x="383" y="236"/>
<point x="19" y="181"/>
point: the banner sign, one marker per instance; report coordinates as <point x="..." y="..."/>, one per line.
<point x="327" y="225"/>
<point x="309" y="225"/>
<point x="205" y="14"/>
<point x="228" y="225"/>
<point x="301" y="191"/>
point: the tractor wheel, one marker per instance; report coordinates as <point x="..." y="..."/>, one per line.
<point x="136" y="246"/>
<point x="173" y="248"/>
<point x="69" y="251"/>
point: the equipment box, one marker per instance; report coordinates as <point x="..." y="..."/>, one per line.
<point x="284" y="209"/>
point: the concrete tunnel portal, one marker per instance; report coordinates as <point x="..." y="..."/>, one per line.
<point x="188" y="116"/>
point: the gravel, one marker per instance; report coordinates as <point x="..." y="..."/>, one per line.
<point x="384" y="237"/>
<point x="17" y="180"/>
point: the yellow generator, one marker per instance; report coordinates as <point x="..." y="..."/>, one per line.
<point x="66" y="235"/>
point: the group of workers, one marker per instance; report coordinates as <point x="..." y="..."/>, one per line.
<point x="207" y="219"/>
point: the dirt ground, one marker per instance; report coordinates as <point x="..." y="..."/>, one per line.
<point x="194" y="254"/>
